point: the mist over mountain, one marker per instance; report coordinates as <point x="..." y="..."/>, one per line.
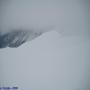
<point x="69" y="16"/>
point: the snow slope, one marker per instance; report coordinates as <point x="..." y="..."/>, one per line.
<point x="49" y="62"/>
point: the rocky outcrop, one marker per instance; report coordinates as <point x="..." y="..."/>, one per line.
<point x="16" y="38"/>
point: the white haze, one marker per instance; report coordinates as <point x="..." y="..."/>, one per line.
<point x="67" y="16"/>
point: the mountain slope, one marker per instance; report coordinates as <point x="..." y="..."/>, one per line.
<point x="50" y="62"/>
<point x="16" y="38"/>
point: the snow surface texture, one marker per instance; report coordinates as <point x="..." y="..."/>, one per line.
<point x="50" y="62"/>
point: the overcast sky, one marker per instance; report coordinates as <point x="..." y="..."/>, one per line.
<point x="67" y="16"/>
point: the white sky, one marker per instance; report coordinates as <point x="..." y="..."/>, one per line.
<point x="68" y="16"/>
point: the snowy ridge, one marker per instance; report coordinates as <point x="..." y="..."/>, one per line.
<point x="16" y="38"/>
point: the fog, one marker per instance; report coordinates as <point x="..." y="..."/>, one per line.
<point x="56" y="60"/>
<point x="67" y="16"/>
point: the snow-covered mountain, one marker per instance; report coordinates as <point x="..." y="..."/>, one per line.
<point x="50" y="62"/>
<point x="16" y="38"/>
